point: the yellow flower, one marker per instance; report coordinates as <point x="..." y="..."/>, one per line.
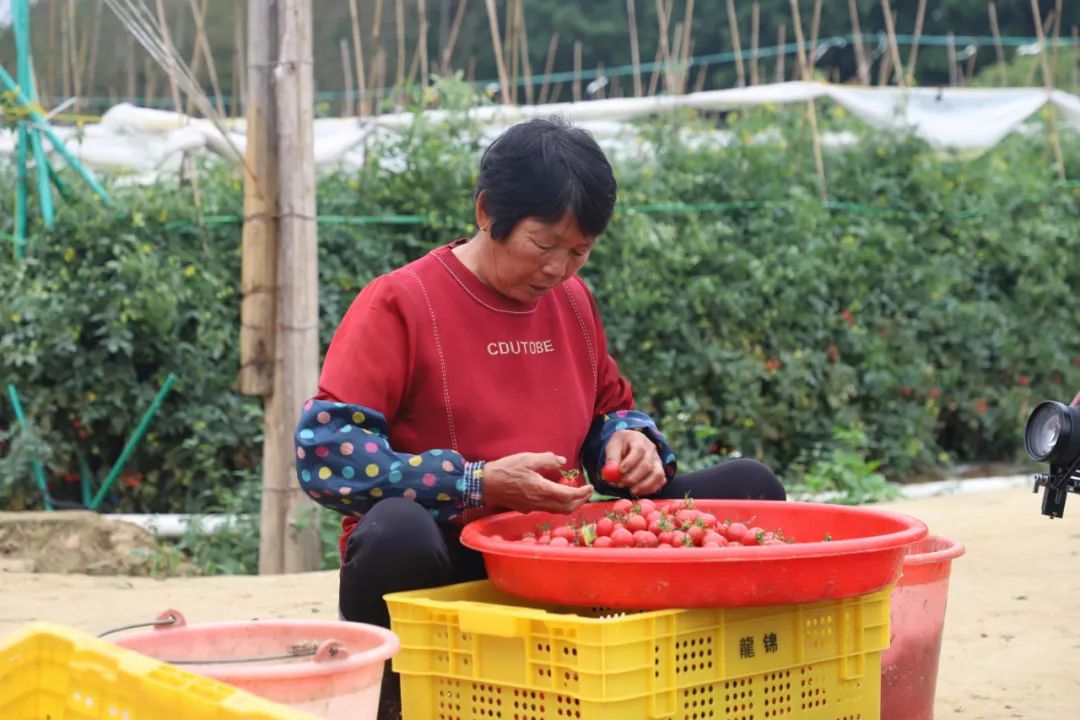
<point x="69" y="254"/>
<point x="91" y="396"/>
<point x="16" y="318"/>
<point x="190" y="271"/>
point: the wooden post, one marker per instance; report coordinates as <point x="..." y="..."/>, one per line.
<point x="549" y="65"/>
<point x="635" y="54"/>
<point x="815" y="30"/>
<point x="863" y="68"/>
<point x="493" y="23"/>
<point x="811" y="110"/>
<point x="65" y="50"/>
<point x="1048" y="83"/>
<point x="358" y="58"/>
<point x="894" y="49"/>
<point x="577" y="71"/>
<point x="736" y="45"/>
<point x="702" y="76"/>
<point x="998" y="49"/>
<point x="150" y="84"/>
<point x="1057" y="38"/>
<point x="780" y="33"/>
<point x="258" y="314"/>
<point x="755" y="38"/>
<point x="969" y="74"/>
<point x="455" y="28"/>
<point x="526" y="64"/>
<point x="950" y="44"/>
<point x="170" y="71"/>
<point x="297" y="372"/>
<point x="239" y="60"/>
<point x="913" y="54"/>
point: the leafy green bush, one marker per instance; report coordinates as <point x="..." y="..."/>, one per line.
<point x="930" y="301"/>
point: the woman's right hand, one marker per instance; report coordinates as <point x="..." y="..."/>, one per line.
<point x="515" y="482"/>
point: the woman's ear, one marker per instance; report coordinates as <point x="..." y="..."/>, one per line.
<point x="483" y="219"/>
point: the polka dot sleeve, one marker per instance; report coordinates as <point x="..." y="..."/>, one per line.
<point x="344" y="462"/>
<point x="595" y="448"/>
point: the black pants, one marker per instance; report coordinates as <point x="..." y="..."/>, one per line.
<point x="398" y="546"/>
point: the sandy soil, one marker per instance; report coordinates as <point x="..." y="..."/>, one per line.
<point x="1012" y="635"/>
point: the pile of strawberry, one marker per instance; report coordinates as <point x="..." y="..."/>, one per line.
<point x="652" y="524"/>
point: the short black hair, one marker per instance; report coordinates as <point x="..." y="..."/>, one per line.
<point x="542" y="168"/>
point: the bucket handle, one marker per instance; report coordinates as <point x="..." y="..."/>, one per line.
<point x="164" y="621"/>
<point x="331" y="651"/>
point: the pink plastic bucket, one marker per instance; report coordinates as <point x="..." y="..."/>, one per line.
<point x="330" y="669"/>
<point x="909" y="668"/>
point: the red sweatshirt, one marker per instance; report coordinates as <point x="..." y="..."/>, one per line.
<point x="450" y="363"/>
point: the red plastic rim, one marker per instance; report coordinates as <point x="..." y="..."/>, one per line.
<point x="932" y="550"/>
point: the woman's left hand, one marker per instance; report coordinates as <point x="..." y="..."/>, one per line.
<point x="639" y="463"/>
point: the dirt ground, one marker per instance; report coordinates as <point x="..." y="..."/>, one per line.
<point x="1012" y="635"/>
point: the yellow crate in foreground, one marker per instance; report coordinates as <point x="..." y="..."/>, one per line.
<point x="471" y="652"/>
<point x="51" y="672"/>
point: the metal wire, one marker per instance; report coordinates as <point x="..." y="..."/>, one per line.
<point x="160" y="622"/>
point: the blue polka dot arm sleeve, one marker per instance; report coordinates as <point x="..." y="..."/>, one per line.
<point x="344" y="462"/>
<point x="594" y="450"/>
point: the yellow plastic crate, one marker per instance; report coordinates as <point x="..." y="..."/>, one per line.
<point x="471" y="652"/>
<point x="51" y="672"/>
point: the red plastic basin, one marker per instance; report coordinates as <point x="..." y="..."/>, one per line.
<point x="865" y="555"/>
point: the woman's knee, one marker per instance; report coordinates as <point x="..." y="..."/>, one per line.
<point x="396" y="528"/>
<point x="761" y="482"/>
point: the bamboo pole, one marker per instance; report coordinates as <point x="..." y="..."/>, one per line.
<point x="66" y="61"/>
<point x="780" y="37"/>
<point x="129" y="61"/>
<point x="736" y="45"/>
<point x="998" y="49"/>
<point x="259" y="256"/>
<point x="1035" y="68"/>
<point x="969" y="74"/>
<point x="53" y="87"/>
<point x="687" y="28"/>
<point x="297" y="373"/>
<point x="894" y="47"/>
<point x="91" y="75"/>
<point x="811" y="110"/>
<point x="526" y="64"/>
<point x="358" y="59"/>
<point x="196" y="63"/>
<point x="863" y="68"/>
<point x="549" y="65"/>
<point x="508" y="37"/>
<point x="455" y="28"/>
<point x="699" y="84"/>
<point x="815" y="30"/>
<point x="170" y="71"/>
<point x="347" y="106"/>
<point x="913" y="54"/>
<point x="577" y="71"/>
<point x="493" y="23"/>
<point x="663" y="53"/>
<point x="1057" y="37"/>
<point x="950" y="45"/>
<point x="376" y="22"/>
<point x="1048" y="83"/>
<point x="470" y="70"/>
<point x="635" y="54"/>
<point x="514" y="50"/>
<point x="422" y="44"/>
<point x="755" y="38"/>
<point x="150" y="84"/>
<point x="399" y="27"/>
<point x="1074" y="71"/>
<point x="208" y="54"/>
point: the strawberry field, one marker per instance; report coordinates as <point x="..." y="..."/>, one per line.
<point x="906" y="323"/>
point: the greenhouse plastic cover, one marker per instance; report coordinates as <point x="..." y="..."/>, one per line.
<point x="146" y="143"/>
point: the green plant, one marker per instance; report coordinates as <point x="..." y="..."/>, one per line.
<point x="841" y="472"/>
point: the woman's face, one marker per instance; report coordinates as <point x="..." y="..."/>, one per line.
<point x="535" y="257"/>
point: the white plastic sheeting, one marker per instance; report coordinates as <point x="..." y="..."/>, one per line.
<point x="146" y="143"/>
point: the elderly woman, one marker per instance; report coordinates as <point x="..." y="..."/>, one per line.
<point x="478" y="379"/>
